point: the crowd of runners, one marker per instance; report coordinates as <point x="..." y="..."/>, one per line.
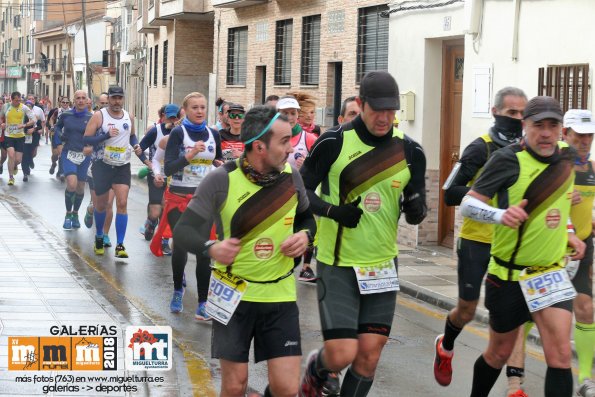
<point x="265" y="191"/>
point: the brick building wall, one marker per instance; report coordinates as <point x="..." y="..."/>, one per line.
<point x="190" y="44"/>
<point x="338" y="43"/>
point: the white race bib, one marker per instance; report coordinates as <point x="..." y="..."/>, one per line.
<point x="225" y="294"/>
<point x="29" y="138"/>
<point x="76" y="157"/>
<point x="13" y="129"/>
<point x="116" y="155"/>
<point x="545" y="286"/>
<point x="377" y="279"/>
<point x="195" y="172"/>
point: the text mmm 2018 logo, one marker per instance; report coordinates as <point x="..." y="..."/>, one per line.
<point x="148" y="348"/>
<point x="70" y="353"/>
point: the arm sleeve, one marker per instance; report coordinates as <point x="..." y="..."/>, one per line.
<point x="473" y="159"/>
<point x="173" y="160"/>
<point x="149" y="139"/>
<point x="414" y="194"/>
<point x="500" y="172"/>
<point x="95" y="139"/>
<point x="192" y="232"/>
<point x="159" y="154"/>
<point x="316" y="167"/>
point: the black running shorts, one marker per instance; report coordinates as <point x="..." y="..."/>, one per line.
<point x="17" y="143"/>
<point x="105" y="175"/>
<point x="344" y="313"/>
<point x="507" y="305"/>
<point x="275" y="328"/>
<point x="472" y="265"/>
<point x="155" y="193"/>
<point x="583" y="280"/>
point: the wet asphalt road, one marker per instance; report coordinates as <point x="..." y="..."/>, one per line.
<point x="140" y="289"/>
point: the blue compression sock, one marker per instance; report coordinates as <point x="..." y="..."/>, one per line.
<point x="99" y="222"/>
<point x="121" y="223"/>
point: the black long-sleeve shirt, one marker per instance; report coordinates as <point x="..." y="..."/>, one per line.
<point x="327" y="148"/>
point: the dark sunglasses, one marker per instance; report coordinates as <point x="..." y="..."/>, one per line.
<point x="66" y="102"/>
<point x="236" y="115"/>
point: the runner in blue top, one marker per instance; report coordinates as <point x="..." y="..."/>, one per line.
<point x="71" y="128"/>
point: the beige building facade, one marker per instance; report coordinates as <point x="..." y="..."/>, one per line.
<point x="168" y="30"/>
<point x="316" y="46"/>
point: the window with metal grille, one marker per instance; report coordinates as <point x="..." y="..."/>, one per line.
<point x="237" y="48"/>
<point x="164" y="76"/>
<point x="309" y="71"/>
<point x="372" y="40"/>
<point x="567" y="83"/>
<point x="283" y="39"/>
<point x="155" y="65"/>
<point x="150" y="64"/>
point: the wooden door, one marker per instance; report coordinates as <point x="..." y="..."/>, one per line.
<point x="453" y="56"/>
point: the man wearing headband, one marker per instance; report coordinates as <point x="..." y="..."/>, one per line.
<point x="260" y="207"/>
<point x="370" y="173"/>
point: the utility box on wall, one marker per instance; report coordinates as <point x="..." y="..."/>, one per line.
<point x="407" y="112"/>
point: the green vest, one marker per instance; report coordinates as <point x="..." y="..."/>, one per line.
<point x="262" y="218"/>
<point x="473" y="230"/>
<point x="377" y="175"/>
<point x="542" y="238"/>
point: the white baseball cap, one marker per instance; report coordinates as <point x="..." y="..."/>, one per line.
<point x="580" y="121"/>
<point x="288" y="103"/>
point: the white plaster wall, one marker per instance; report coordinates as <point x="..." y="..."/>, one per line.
<point x="95" y="42"/>
<point x="551" y="32"/>
<point x="415" y="60"/>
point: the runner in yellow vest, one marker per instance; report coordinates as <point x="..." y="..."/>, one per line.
<point x="14" y="114"/>
<point x="526" y="280"/>
<point x="475" y="238"/>
<point x="369" y="172"/>
<point x="261" y="210"/>
<point x="578" y="131"/>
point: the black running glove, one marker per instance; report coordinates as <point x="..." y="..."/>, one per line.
<point x="347" y="215"/>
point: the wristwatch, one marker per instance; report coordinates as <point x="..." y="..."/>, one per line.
<point x="310" y="238"/>
<point x="208" y="244"/>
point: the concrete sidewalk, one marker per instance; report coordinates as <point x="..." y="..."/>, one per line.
<point x="40" y="289"/>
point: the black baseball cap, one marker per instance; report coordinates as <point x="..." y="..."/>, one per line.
<point x="236" y="107"/>
<point x="380" y="90"/>
<point x="543" y="107"/>
<point x="115" y="90"/>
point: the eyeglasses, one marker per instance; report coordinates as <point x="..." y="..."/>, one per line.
<point x="236" y="115"/>
<point x="66" y="103"/>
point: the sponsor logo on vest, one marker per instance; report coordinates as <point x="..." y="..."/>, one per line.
<point x="288" y="221"/>
<point x="372" y="202"/>
<point x="396" y="184"/>
<point x="263" y="249"/>
<point x="354" y="155"/>
<point x="243" y="196"/>
<point x="552" y="219"/>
